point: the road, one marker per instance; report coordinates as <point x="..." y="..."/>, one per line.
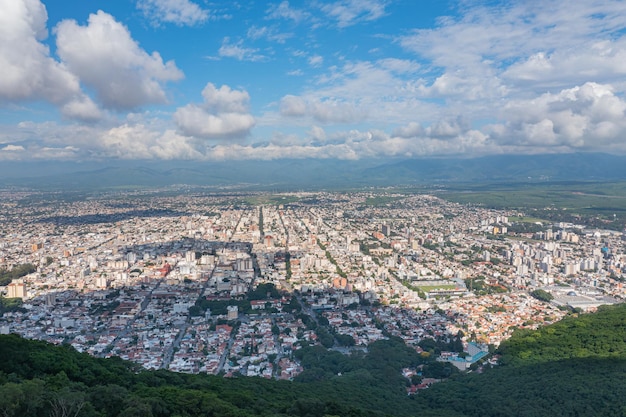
<point x="182" y="329"/>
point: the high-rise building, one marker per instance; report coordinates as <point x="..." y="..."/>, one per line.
<point x="16" y="290"/>
<point x="101" y="282"/>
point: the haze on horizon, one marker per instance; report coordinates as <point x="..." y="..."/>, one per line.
<point x="347" y="79"/>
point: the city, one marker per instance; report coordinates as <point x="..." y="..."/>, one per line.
<point x="235" y="283"/>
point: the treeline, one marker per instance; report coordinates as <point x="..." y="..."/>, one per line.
<point x="42" y="379"/>
<point x="574" y="367"/>
<point x="6" y="276"/>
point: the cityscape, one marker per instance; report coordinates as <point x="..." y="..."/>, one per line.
<point x="354" y="208"/>
<point x="236" y="283"/>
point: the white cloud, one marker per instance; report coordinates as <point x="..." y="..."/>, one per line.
<point x="239" y="52"/>
<point x="587" y="117"/>
<point x="318" y="134"/>
<point x="293" y="106"/>
<point x="225" y="99"/>
<point x="521" y="77"/>
<point x="350" y="12"/>
<point x="28" y="71"/>
<point x="179" y="12"/>
<point x="323" y="111"/>
<point x="224" y="114"/>
<point x="195" y="121"/>
<point x="411" y="130"/>
<point x="372" y="92"/>
<point x="140" y="139"/>
<point x="284" y="11"/>
<point x="399" y="66"/>
<point x="137" y="141"/>
<point x="105" y="57"/>
<point x="269" y="33"/>
<point x="13" y="148"/>
<point x="336" y="111"/>
<point x="599" y="61"/>
<point x="82" y="108"/>
<point x="550" y="44"/>
<point x="316" y="60"/>
<point x="446" y="129"/>
<point x="272" y="151"/>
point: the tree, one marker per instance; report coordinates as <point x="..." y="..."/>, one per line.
<point x="542" y="295"/>
<point x="67" y="403"/>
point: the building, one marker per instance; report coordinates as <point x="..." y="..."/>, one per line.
<point x="16" y="290"/>
<point x="233" y="312"/>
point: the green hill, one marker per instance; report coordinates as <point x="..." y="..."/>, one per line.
<point x="576" y="367"/>
<point x="573" y="368"/>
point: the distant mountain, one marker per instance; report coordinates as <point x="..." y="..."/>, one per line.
<point x="317" y="173"/>
<point x="569" y="167"/>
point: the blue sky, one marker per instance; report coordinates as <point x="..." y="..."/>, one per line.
<point x="348" y="79"/>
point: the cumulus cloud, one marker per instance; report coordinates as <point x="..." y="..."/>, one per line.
<point x="293" y="106"/>
<point x="179" y="12"/>
<point x="225" y="99"/>
<point x="81" y="108"/>
<point x="317" y="134"/>
<point x="106" y="58"/>
<point x="445" y="129"/>
<point x="142" y="138"/>
<point x="138" y="141"/>
<point x="195" y="121"/>
<point x="586" y="117"/>
<point x="411" y="130"/>
<point x="224" y="114"/>
<point x="28" y="70"/>
<point x="598" y="61"/>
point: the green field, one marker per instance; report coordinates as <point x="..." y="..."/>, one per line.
<point x="594" y="204"/>
<point x="270" y="199"/>
<point x="382" y="200"/>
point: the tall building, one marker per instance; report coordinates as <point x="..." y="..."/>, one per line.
<point x="16" y="290"/>
<point x="101" y="282"/>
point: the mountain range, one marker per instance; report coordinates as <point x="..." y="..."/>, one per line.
<point x="284" y="174"/>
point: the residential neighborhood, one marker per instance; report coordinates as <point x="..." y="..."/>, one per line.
<point x="236" y="284"/>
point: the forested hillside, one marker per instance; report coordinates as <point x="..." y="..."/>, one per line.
<point x="574" y="367"/>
